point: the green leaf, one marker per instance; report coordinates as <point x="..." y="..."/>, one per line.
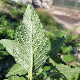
<point x="4" y="54"/>
<point x="8" y="44"/>
<point x="64" y="71"/>
<point x="1" y="32"/>
<point x="16" y="78"/>
<point x="47" y="68"/>
<point x="56" y="46"/>
<point x="31" y="44"/>
<point x="68" y="57"/>
<point x="16" y="69"/>
<point x="44" y="73"/>
<point x="56" y="60"/>
<point x="67" y="71"/>
<point x="77" y="44"/>
<point x="76" y="76"/>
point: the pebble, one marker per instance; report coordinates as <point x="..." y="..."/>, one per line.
<point x="23" y="1"/>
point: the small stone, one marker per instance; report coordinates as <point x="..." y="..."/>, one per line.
<point x="78" y="56"/>
<point x="44" y="5"/>
<point x="64" y="60"/>
<point x="78" y="49"/>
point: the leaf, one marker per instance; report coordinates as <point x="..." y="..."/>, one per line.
<point x="16" y="78"/>
<point x="64" y="72"/>
<point x="55" y="46"/>
<point x="16" y="69"/>
<point x="76" y="76"/>
<point x="31" y="45"/>
<point x="8" y="44"/>
<point x="44" y="73"/>
<point x="68" y="57"/>
<point x="56" y="60"/>
<point x="47" y="68"/>
<point x="67" y="71"/>
<point x="77" y="44"/>
<point x="3" y="54"/>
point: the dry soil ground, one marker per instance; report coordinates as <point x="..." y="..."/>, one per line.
<point x="66" y="17"/>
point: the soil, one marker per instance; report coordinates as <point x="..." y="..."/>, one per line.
<point x="68" y="18"/>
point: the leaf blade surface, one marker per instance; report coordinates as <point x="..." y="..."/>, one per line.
<point x="15" y="70"/>
<point x="31" y="45"/>
<point x="8" y="44"/>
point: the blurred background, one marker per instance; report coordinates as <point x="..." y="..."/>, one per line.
<point x="59" y="18"/>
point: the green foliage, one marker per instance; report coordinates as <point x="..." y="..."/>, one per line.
<point x="5" y="28"/>
<point x="9" y="46"/>
<point x="32" y="36"/>
<point x="66" y="49"/>
<point x="2" y="20"/>
<point x="10" y="34"/>
<point x="56" y="46"/>
<point x="68" y="58"/>
<point x="18" y="5"/>
<point x="22" y="8"/>
<point x="46" y="68"/>
<point x="77" y="44"/>
<point x="75" y="28"/>
<point x="5" y="1"/>
<point x="1" y="47"/>
<point x="76" y="76"/>
<point x="45" y="19"/>
<point x="7" y="18"/>
<point x="6" y="33"/>
<point x="15" y="12"/>
<point x="16" y="70"/>
<point x="16" y="78"/>
<point x="30" y="49"/>
<point x="65" y="72"/>
<point x="70" y="41"/>
<point x="3" y="53"/>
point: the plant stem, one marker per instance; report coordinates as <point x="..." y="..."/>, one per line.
<point x="31" y="58"/>
<point x="31" y="63"/>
